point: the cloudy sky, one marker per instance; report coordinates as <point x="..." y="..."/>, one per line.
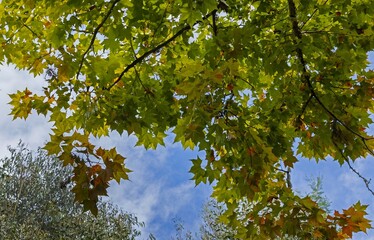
<point x="160" y="190"/>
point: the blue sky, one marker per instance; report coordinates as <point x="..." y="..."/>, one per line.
<point x="160" y="190"/>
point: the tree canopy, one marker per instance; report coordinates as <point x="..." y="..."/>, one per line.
<point x="254" y="84"/>
<point x="36" y="203"/>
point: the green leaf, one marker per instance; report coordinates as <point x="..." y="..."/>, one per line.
<point x="257" y="83"/>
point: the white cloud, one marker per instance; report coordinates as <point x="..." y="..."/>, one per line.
<point x="155" y="197"/>
<point x="35" y="130"/>
<point x="149" y="194"/>
<point x="341" y="186"/>
<point x="175" y="198"/>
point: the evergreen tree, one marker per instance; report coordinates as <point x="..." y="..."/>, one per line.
<point x="36" y="203"/>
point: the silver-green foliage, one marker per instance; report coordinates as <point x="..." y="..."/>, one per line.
<point x="36" y="203"/>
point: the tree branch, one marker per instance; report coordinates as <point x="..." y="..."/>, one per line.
<point x="366" y="181"/>
<point x="297" y="33"/>
<point x="32" y="31"/>
<point x="311" y="16"/>
<point x="214" y="24"/>
<point x="155" y="49"/>
<point x="136" y="71"/>
<point x="304" y="107"/>
<point x="299" y="52"/>
<point x="288" y="176"/>
<point x="96" y="31"/>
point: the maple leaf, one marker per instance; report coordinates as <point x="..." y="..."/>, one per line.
<point x="252" y="85"/>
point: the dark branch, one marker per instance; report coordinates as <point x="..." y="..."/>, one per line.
<point x="96" y="31"/>
<point x="288" y="176"/>
<point x="300" y="55"/>
<point x="305" y="106"/>
<point x="214" y="24"/>
<point x="32" y="31"/>
<point x="367" y="147"/>
<point x="136" y="71"/>
<point x="336" y="118"/>
<point x="156" y="49"/>
<point x="366" y="181"/>
<point x="311" y="16"/>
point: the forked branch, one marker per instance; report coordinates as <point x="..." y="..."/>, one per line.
<point x="156" y="49"/>
<point x="306" y="75"/>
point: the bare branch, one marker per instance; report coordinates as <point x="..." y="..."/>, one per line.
<point x="366" y="181"/>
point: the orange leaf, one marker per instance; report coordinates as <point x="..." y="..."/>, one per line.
<point x="219" y="76"/>
<point x="348" y="230"/>
<point x="230" y="86"/>
<point x="96" y="168"/>
<point x="308" y="134"/>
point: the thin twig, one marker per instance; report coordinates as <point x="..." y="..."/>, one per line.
<point x="367" y="147"/>
<point x="38" y="59"/>
<point x="96" y="31"/>
<point x="305" y="106"/>
<point x="337" y="119"/>
<point x="310" y="17"/>
<point x="246" y="81"/>
<point x="298" y="34"/>
<point x="366" y="181"/>
<point x="155" y="49"/>
<point x="161" y="21"/>
<point x="80" y="31"/>
<point x="136" y="71"/>
<point x="288" y="175"/>
<point x="32" y="31"/>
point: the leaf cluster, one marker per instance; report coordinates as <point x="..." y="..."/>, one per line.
<point x="243" y="81"/>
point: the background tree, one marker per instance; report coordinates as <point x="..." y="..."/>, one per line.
<point x="213" y="229"/>
<point x="317" y="193"/>
<point x="36" y="203"/>
<point x="253" y="84"/>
